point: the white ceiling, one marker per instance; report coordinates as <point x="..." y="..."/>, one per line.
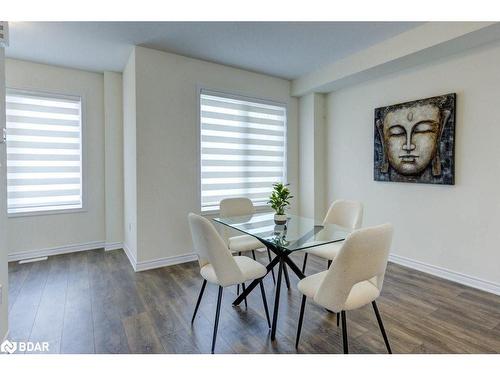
<point x="283" y="49"/>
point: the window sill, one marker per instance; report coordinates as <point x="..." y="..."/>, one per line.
<point x="45" y="213"/>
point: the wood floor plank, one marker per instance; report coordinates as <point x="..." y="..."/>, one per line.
<point x="159" y="302"/>
<point x="109" y="333"/>
<point x="78" y="329"/>
<point x="47" y="326"/>
<point x="141" y="335"/>
<point x="99" y="304"/>
<point x="180" y="342"/>
<point x="23" y="312"/>
<point x="49" y="319"/>
<point x="17" y="275"/>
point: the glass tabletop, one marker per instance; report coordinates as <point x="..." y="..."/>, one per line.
<point x="298" y="233"/>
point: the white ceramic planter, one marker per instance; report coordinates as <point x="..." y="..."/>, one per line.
<point x="280" y="219"/>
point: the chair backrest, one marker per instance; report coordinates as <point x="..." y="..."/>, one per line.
<point x="240" y="206"/>
<point x="211" y="249"/>
<point x="363" y="257"/>
<point x="236" y="207"/>
<point x="347" y="214"/>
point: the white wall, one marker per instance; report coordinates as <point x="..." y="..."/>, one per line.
<point x="312" y="156"/>
<point x="113" y="129"/>
<point x="454" y="227"/>
<point x="168" y="143"/>
<point x="129" y="159"/>
<point x="56" y="230"/>
<point x="306" y="155"/>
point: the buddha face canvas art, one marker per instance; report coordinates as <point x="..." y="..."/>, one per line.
<point x="415" y="141"/>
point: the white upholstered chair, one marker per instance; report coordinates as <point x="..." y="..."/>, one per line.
<point x="347" y="214"/>
<point x="218" y="266"/>
<point x="353" y="280"/>
<point x="242" y="206"/>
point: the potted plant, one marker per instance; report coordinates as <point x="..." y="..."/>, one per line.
<point x="280" y="200"/>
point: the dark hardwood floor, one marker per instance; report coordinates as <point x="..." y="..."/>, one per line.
<point x="93" y="302"/>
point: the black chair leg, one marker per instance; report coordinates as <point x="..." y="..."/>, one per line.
<point x="382" y="329"/>
<point x="344" y="333"/>
<point x="301" y="318"/>
<point x="270" y="260"/>
<point x="217" y="315"/>
<point x="304" y="264"/>
<point x="338" y="319"/>
<point x="253" y="255"/>
<point x="243" y="287"/>
<point x="199" y="300"/>
<point x="285" y="272"/>
<point x="238" y="286"/>
<point x="264" y="301"/>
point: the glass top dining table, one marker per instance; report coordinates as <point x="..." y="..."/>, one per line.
<point x="298" y="233"/>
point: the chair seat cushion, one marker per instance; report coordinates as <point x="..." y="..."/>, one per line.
<point x="328" y="251"/>
<point x="250" y="269"/>
<point x="244" y="243"/>
<point x="361" y="293"/>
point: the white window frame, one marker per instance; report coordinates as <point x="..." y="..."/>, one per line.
<point x="83" y="158"/>
<point x="237" y="96"/>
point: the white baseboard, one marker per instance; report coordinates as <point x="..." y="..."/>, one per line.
<point x="163" y="262"/>
<point x="156" y="263"/>
<point x="113" y="246"/>
<point x="22" y="255"/>
<point x="444" y="273"/>
<point x="130" y="256"/>
<point x="138" y="266"/>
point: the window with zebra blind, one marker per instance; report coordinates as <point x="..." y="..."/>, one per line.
<point x="44" y="152"/>
<point x="243" y="148"/>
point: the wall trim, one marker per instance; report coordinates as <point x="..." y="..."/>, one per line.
<point x="108" y="246"/>
<point x="163" y="262"/>
<point x="23" y="255"/>
<point x="444" y="273"/>
<point x="138" y="266"/>
<point x="157" y="263"/>
<point x="130" y="256"/>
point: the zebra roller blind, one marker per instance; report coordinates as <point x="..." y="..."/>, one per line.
<point x="243" y="148"/>
<point x="44" y="152"/>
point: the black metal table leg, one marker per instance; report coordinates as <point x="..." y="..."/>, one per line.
<point x="304" y="264"/>
<point x="277" y="298"/>
<point x="254" y="283"/>
<point x="243" y="288"/>
<point x="264" y="301"/>
<point x="296" y="270"/>
<point x="287" y="279"/>
<point x="281" y="257"/>
<point x="270" y="260"/>
<point x="301" y="318"/>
